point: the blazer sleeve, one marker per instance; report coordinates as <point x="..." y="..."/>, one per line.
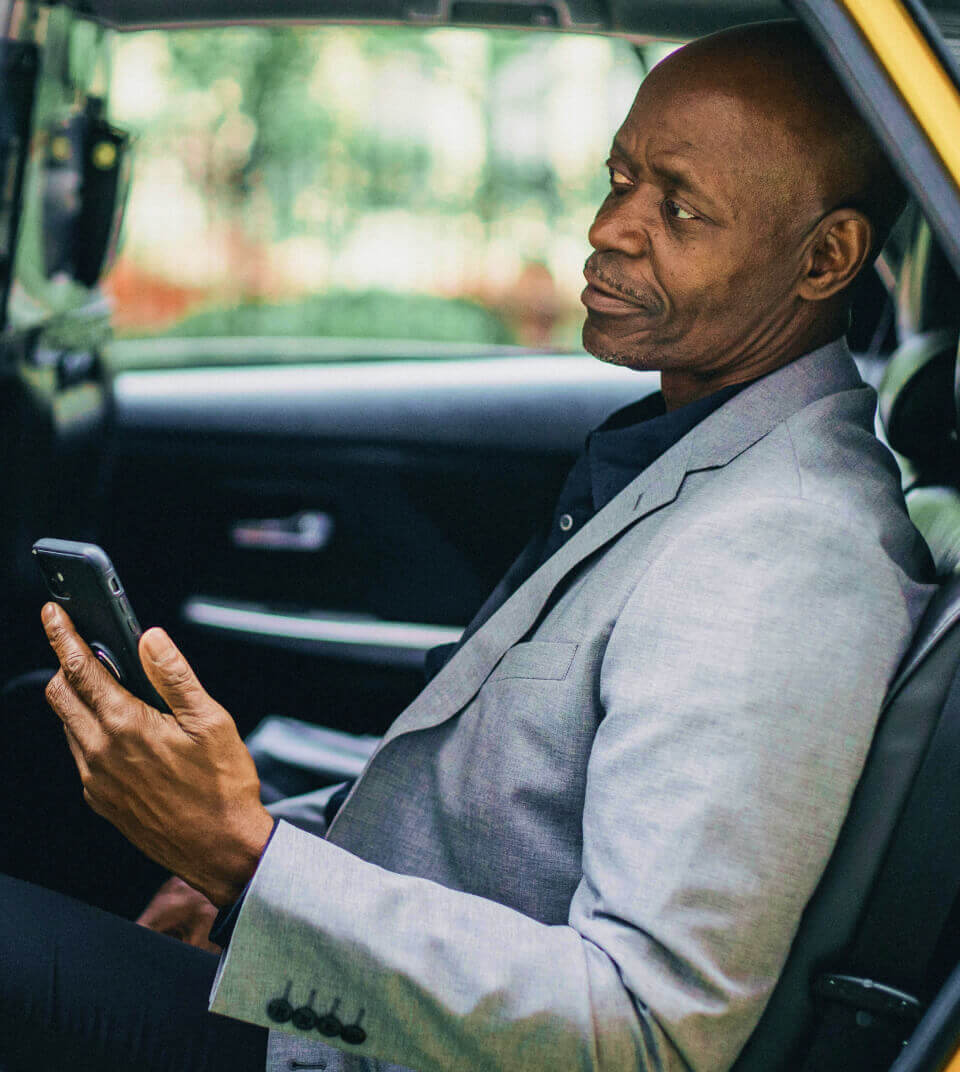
<point x="740" y="689"/>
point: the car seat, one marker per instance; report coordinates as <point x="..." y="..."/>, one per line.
<point x="875" y="941"/>
<point x="917" y="395"/>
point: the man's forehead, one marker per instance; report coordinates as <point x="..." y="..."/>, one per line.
<point x="678" y="136"/>
<point x="715" y="95"/>
<point x="717" y="137"/>
<point x="658" y="147"/>
<point x="694" y="113"/>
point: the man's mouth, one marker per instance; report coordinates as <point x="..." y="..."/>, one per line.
<point x="601" y="296"/>
<point x="603" y="301"/>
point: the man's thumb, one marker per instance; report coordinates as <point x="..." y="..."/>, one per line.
<point x="171" y="674"/>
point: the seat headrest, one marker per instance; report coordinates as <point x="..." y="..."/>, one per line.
<point x="935" y="510"/>
<point x="917" y="402"/>
<point x="928" y="294"/>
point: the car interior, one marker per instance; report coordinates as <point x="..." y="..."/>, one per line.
<point x="309" y="515"/>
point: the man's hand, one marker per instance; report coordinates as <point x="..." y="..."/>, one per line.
<point x="180" y="787"/>
<point x="178" y="910"/>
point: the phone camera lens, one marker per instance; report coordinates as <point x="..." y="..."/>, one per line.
<point x="58" y="584"/>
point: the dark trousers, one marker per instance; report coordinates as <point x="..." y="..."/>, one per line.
<point x="82" y="988"/>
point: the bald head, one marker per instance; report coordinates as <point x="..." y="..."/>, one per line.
<point x="746" y="194"/>
<point x="826" y="147"/>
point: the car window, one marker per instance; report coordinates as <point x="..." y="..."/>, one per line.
<point x="362" y="182"/>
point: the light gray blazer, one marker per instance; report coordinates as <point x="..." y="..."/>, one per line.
<point x="588" y="842"/>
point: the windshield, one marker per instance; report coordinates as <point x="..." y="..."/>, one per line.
<point x="363" y="182"/>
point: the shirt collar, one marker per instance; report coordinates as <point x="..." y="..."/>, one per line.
<point x="634" y="437"/>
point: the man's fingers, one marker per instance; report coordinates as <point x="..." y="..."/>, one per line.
<point x="171" y="674"/>
<point x="84" y="673"/>
<point x="77" y="752"/>
<point x="76" y="716"/>
<point x="180" y="911"/>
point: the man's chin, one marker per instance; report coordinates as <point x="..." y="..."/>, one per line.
<point x="632" y="353"/>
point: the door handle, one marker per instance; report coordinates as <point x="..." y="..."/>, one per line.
<point x="306" y="530"/>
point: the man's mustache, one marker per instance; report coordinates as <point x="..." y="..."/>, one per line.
<point x="603" y="266"/>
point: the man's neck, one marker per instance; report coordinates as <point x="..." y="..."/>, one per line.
<point x="680" y="387"/>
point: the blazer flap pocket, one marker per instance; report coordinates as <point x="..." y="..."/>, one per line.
<point x="544" y="659"/>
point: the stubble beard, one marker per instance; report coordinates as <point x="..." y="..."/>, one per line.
<point x="603" y="349"/>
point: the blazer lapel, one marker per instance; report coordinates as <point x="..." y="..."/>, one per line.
<point x="461" y="678"/>
<point x="726" y="433"/>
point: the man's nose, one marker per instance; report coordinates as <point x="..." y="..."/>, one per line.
<point x="622" y="224"/>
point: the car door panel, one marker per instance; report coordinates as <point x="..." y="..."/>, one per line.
<point x="314" y="529"/>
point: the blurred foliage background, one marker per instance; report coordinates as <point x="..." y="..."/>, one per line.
<point x="357" y="182"/>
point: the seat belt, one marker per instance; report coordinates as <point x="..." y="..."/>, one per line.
<point x="865" y="1016"/>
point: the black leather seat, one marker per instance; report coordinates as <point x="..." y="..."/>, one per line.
<point x="911" y="713"/>
<point x="926" y="297"/>
<point x="917" y="396"/>
<point x="917" y="411"/>
<point x="860" y="893"/>
<point x="936" y="513"/>
<point x="916" y="404"/>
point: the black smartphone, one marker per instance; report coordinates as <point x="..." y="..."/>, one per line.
<point x="81" y="578"/>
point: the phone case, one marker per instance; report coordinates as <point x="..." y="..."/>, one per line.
<point x="82" y="579"/>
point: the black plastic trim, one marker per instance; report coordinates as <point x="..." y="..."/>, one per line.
<point x="867" y="995"/>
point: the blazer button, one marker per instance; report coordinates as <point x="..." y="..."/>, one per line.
<point x="304" y="1018"/>
<point x="279" y="1009"/>
<point x="327" y="1023"/>
<point x="354" y="1033"/>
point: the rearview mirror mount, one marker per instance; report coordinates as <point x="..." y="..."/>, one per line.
<point x="86" y="176"/>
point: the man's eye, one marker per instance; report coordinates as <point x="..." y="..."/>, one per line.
<point x="677" y="212"/>
<point x="618" y="181"/>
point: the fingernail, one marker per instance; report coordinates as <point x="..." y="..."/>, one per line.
<point x="157" y="645"/>
<point x="49" y="613"/>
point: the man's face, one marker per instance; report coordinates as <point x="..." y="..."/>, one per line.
<point x="698" y="245"/>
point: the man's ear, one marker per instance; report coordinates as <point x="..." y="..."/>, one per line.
<point x="838" y="248"/>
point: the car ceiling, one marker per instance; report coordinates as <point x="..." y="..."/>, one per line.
<point x="676" y="19"/>
<point x="654" y="18"/>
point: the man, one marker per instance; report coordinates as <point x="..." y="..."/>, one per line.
<point x="589" y="841"/>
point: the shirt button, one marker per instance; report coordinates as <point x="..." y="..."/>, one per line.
<point x="328" y="1024"/>
<point x="304" y="1018"/>
<point x="279" y="1010"/>
<point x="354" y="1033"/>
<point x="565" y="522"/>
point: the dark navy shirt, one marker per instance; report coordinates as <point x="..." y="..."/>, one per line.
<point x="617" y="452"/>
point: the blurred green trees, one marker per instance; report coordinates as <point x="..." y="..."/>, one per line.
<point x="365" y="181"/>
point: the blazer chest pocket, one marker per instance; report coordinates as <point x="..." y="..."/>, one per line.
<point x="546" y="660"/>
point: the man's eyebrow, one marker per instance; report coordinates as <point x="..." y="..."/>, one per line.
<point x="681" y="177"/>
